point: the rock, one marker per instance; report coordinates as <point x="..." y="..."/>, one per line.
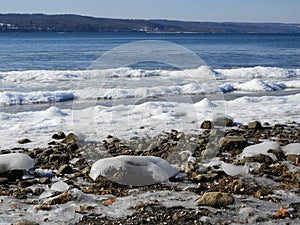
<point x="44" y="180"/>
<point x="292" y="158"/>
<point x="232" y="142"/>
<point x="72" y="147"/>
<point x="223" y="121"/>
<point x="65" y="169"/>
<point x="71" y="138"/>
<point x="260" y="158"/>
<point x="26" y="222"/>
<point x="59" y="135"/>
<point x="206" y="124"/>
<point x="24" y="141"/>
<point x="59" y="199"/>
<point x="215" y="199"/>
<point x="256" y="125"/>
<point x="42" y="207"/>
<point x="62" y="158"/>
<point x="26" y="183"/>
<point x="3" y="180"/>
<point x="13" y="175"/>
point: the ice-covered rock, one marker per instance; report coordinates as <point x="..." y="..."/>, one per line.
<point x="133" y="170"/>
<point x="60" y="186"/>
<point x="15" y="161"/>
<point x="261" y="148"/>
<point x="292" y="149"/>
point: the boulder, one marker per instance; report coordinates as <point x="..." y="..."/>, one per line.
<point x="229" y="143"/>
<point x="256" y="125"/>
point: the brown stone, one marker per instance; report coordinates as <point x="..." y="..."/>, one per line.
<point x="59" y="199"/>
<point x="232" y="142"/>
<point x="256" y="125"/>
<point x="206" y="124"/>
<point x="65" y="169"/>
<point x="26" y="222"/>
<point x="215" y="199"/>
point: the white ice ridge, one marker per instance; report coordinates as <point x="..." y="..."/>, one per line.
<point x="17" y="98"/>
<point x="15" y="161"/>
<point x="133" y="170"/>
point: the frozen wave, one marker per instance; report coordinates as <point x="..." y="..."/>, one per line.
<point x="18" y="98"/>
<point x="248" y="73"/>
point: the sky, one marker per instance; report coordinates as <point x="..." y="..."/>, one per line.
<point x="286" y="11"/>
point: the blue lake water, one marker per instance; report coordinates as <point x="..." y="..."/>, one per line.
<point x="27" y="51"/>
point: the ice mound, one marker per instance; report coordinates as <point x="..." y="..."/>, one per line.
<point x="259" y="85"/>
<point x="292" y="149"/>
<point x="133" y="170"/>
<point x="261" y="148"/>
<point x="15" y="161"/>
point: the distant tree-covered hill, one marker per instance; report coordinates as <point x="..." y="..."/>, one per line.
<point x="77" y="23"/>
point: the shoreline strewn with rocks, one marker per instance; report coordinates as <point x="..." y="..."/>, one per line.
<point x="268" y="192"/>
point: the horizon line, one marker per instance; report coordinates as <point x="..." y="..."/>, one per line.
<point x="115" y="18"/>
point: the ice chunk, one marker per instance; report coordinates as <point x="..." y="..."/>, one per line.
<point x="292" y="149"/>
<point x="15" y="161"/>
<point x="60" y="186"/>
<point x="261" y="148"/>
<point x="233" y="170"/>
<point x="133" y="170"/>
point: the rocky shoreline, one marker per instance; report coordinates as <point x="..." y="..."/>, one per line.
<point x="269" y="193"/>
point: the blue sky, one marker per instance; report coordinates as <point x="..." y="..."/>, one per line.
<point x="195" y="10"/>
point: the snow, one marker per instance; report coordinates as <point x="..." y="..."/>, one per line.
<point x="15" y="161"/>
<point x="133" y="170"/>
<point x="261" y="148"/>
